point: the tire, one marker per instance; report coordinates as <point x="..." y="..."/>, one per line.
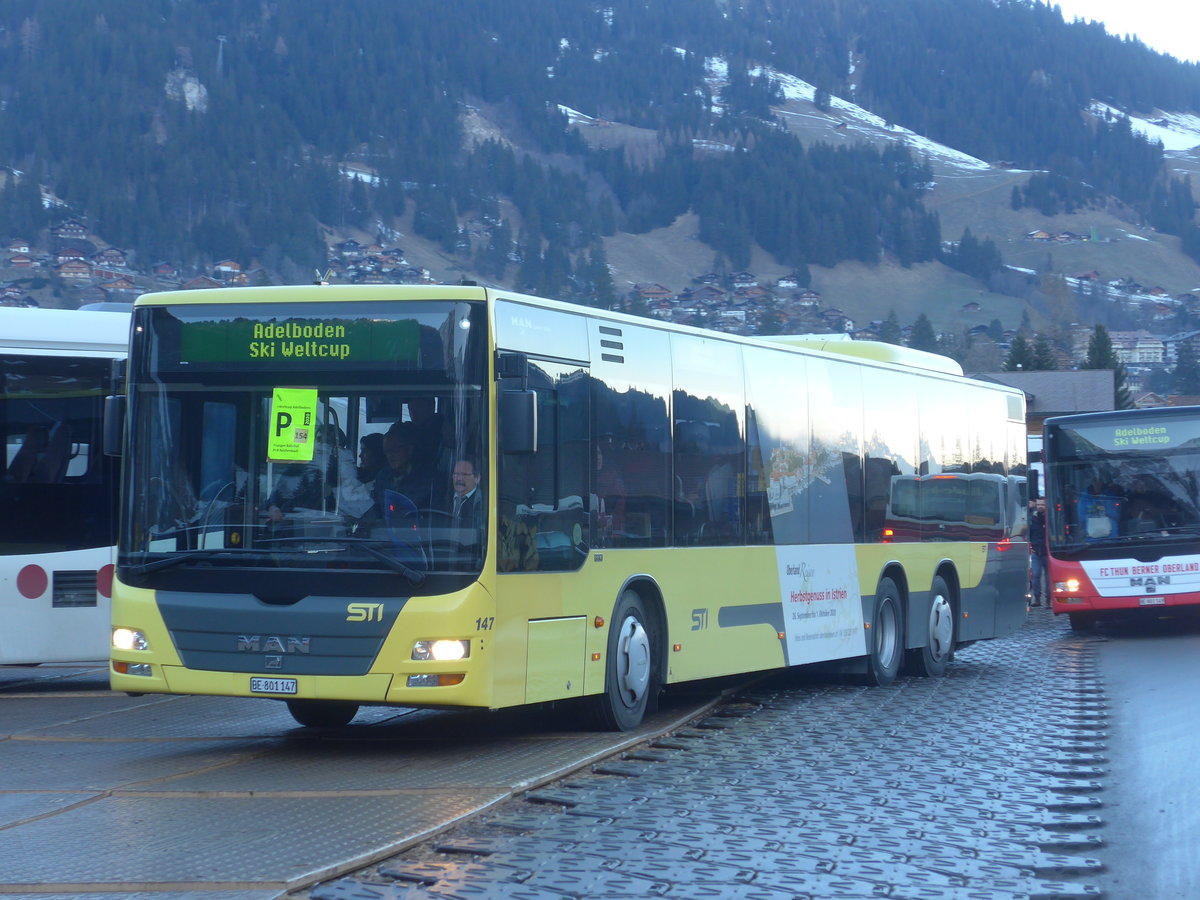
<point x="885" y="638"/>
<point x="630" y="669"/>
<point x="1082" y="622"/>
<point x="322" y="713"/>
<point x="931" y="659"/>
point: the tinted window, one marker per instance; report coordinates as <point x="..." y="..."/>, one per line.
<point x="710" y="456"/>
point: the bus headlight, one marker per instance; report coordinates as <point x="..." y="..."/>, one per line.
<point x="1070" y="586"/>
<point x="129" y="639"/>
<point x="441" y="651"/>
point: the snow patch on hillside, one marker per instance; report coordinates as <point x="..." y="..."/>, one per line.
<point x="1177" y="131"/>
<point x="856" y="119"/>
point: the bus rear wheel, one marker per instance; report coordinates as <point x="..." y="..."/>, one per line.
<point x="885" y="638"/>
<point x="629" y="673"/>
<point x="322" y="713"/>
<point x="930" y="660"/>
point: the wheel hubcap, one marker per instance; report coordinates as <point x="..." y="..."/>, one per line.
<point x="941" y="627"/>
<point x="885" y="635"/>
<point x="633" y="659"/>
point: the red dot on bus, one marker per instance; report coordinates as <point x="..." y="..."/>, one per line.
<point x="104" y="580"/>
<point x="32" y="582"/>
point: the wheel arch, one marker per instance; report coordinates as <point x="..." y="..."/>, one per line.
<point x="651" y="595"/>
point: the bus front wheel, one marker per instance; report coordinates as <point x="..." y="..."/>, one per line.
<point x="629" y="674"/>
<point x="931" y="659"/>
<point x="885" y="637"/>
<point x="322" y="713"/>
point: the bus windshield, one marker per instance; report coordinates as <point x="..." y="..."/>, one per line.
<point x="307" y="437"/>
<point x="1123" y="486"/>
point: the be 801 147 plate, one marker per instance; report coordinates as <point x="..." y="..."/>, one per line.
<point x="273" y="685"/>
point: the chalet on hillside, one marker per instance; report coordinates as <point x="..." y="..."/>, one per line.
<point x="707" y="295"/>
<point x="21" y="261"/>
<point x="73" y="270"/>
<point x="226" y="268"/>
<point x="70" y="230"/>
<point x="110" y="257"/>
<point x="18" y="245"/>
<point x="200" y="283"/>
<point x="653" y="291"/>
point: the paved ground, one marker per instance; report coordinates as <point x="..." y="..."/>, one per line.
<point x="983" y="785"/>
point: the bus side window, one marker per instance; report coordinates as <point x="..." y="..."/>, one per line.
<point x="542" y="520"/>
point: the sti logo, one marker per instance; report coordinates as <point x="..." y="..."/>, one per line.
<point x="364" y="612"/>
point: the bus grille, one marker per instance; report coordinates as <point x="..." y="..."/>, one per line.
<point x="76" y="588"/>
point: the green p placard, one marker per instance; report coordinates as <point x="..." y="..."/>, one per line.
<point x="293" y="420"/>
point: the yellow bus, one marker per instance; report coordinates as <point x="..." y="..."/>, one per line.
<point x="571" y="504"/>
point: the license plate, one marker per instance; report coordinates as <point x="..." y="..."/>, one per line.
<point x="1152" y="601"/>
<point x="273" y="685"/>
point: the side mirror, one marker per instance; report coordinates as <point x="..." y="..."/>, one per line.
<point x="114" y="424"/>
<point x="1035" y="487"/>
<point x="518" y="421"/>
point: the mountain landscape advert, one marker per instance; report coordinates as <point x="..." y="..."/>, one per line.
<point x="952" y="174"/>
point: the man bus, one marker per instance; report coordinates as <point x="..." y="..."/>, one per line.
<point x="1122" y="511"/>
<point x="58" y="491"/>
<point x="748" y="533"/>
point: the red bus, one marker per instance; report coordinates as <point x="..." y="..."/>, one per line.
<point x="1122" y="511"/>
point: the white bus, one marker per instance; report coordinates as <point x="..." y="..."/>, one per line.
<point x="58" y="490"/>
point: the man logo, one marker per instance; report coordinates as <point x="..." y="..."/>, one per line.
<point x="254" y="643"/>
<point x="364" y="612"/>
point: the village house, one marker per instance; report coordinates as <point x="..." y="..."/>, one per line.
<point x="110" y="257"/>
<point x="70" y="230"/>
<point x="201" y="282"/>
<point x="73" y="270"/>
<point x="69" y="254"/>
<point x="21" y="261"/>
<point x="652" y="291"/>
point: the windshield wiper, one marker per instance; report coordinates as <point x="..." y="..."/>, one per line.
<point x="371" y="545"/>
<point x="168" y="562"/>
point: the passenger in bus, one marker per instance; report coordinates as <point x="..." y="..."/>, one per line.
<point x="371" y="457"/>
<point x="1099" y="508"/>
<point x="1149" y="506"/>
<point x="401" y="473"/>
<point x="430" y="451"/>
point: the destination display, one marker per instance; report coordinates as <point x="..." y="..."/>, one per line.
<point x="309" y="340"/>
<point x="1145" y="435"/>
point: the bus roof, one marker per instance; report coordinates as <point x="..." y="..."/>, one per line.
<point x="75" y="330"/>
<point x="838" y="345"/>
<point x="879" y="351"/>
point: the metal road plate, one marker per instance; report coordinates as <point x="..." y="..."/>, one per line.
<point x="136" y="841"/>
<point x="273" y="685"/>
